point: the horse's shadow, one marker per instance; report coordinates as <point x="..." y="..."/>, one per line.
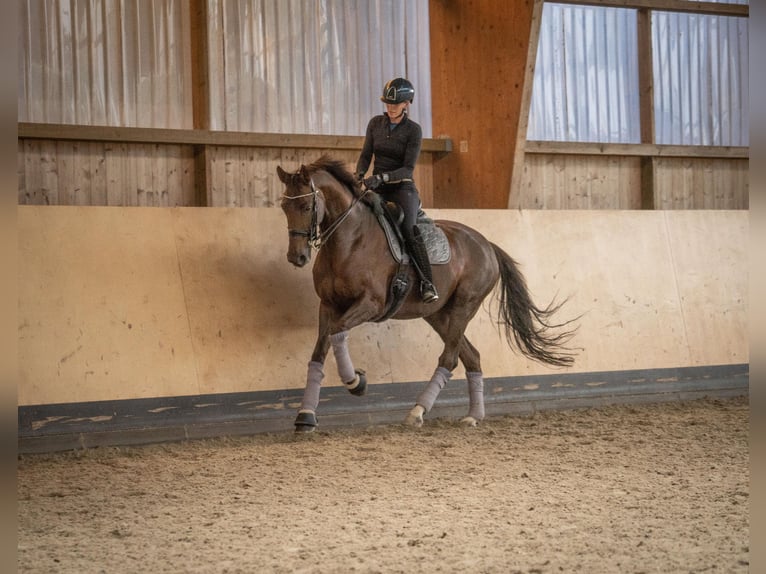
<point x="243" y="307"/>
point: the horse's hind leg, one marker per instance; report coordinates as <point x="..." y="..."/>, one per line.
<point x="471" y="360"/>
<point x="450" y="328"/>
<point x="427" y="397"/>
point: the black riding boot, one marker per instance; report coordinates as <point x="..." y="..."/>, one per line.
<point x="419" y="253"/>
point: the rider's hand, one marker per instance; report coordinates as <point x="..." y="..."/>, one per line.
<point x="373" y="182"/>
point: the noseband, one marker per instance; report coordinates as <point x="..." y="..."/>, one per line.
<point x="317" y="239"/>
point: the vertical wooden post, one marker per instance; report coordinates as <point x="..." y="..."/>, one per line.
<point x="200" y="102"/>
<point x="646" y="102"/>
<point x="514" y="192"/>
<point x="478" y="60"/>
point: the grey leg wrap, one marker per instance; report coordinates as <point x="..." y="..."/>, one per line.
<point x="428" y="397"/>
<point x="339" y="342"/>
<point x="475" y="395"/>
<point x="313" y="383"/>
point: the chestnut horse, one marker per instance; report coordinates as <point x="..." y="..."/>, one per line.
<point x="327" y="210"/>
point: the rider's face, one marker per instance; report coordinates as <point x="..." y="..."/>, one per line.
<point x="396" y="111"/>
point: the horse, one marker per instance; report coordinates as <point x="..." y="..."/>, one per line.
<point x="328" y="210"/>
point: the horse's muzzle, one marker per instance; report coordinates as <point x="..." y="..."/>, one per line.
<point x="298" y="259"/>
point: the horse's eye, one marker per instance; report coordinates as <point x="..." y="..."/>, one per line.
<point x="307" y="207"/>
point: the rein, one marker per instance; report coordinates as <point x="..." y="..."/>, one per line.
<point x="316" y="237"/>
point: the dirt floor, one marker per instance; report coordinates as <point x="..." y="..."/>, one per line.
<point x="627" y="489"/>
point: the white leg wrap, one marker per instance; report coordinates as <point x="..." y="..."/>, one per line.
<point x="313" y="383"/>
<point x="339" y="342"/>
<point x="428" y="397"/>
<point x="475" y="395"/>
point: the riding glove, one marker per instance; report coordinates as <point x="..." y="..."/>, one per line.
<point x="373" y="182"/>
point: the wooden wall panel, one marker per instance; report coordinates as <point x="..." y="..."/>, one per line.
<point x="580" y="182"/>
<point x="478" y="61"/>
<point x="701" y="183"/>
<point x="552" y="181"/>
<point x="66" y="172"/>
<point x="247" y="177"/>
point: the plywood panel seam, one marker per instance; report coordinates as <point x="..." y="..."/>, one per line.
<point x="676" y="286"/>
<point x="182" y="279"/>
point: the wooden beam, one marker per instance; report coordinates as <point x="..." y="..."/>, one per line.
<point x="646" y="102"/>
<point x="642" y="150"/>
<point x="200" y="79"/>
<point x="199" y="65"/>
<point x="514" y="193"/>
<point x="707" y="8"/>
<point x="204" y="137"/>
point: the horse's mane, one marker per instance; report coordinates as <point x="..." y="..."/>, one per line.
<point x="337" y="169"/>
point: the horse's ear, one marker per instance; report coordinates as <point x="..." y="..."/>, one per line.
<point x="283" y="175"/>
<point x="305" y="173"/>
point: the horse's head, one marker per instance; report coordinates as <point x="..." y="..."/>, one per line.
<point x="302" y="204"/>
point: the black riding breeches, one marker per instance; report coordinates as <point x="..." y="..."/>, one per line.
<point x="406" y="196"/>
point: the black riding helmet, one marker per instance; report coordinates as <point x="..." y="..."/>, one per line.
<point x="397" y="91"/>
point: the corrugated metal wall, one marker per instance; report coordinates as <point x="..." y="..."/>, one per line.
<point x="586" y="77"/>
<point x="314" y="67"/>
<point x="701" y="79"/>
<point x="104" y="62"/>
<point x="277" y="66"/>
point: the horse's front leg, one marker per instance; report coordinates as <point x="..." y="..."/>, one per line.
<point x="364" y="309"/>
<point x="306" y="421"/>
<point x="333" y="331"/>
<point x="355" y="380"/>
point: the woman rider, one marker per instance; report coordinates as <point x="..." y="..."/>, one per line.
<point x="394" y="140"/>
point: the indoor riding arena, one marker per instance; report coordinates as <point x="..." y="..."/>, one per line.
<point x="169" y="352"/>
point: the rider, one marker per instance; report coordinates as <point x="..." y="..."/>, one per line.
<point x="395" y="141"/>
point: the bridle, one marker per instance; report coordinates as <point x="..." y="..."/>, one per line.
<point x="315" y="236"/>
<point x="312" y="233"/>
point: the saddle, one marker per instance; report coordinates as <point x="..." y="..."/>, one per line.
<point x="437" y="246"/>
<point x="390" y="217"/>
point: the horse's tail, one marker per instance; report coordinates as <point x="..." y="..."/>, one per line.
<point x="526" y="324"/>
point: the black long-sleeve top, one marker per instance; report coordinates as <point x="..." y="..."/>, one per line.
<point x="396" y="150"/>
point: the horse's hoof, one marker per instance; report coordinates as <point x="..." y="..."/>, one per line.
<point x="415" y="417"/>
<point x="469" y="422"/>
<point x="358" y="386"/>
<point x="413" y="421"/>
<point x="305" y="422"/>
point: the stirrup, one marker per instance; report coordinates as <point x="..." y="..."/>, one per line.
<point x="428" y="292"/>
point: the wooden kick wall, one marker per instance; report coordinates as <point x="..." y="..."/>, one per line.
<point x="138" y="303"/>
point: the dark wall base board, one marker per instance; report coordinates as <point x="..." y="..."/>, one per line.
<point x="67" y="426"/>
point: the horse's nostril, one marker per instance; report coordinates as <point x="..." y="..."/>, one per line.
<point x="298" y="260"/>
